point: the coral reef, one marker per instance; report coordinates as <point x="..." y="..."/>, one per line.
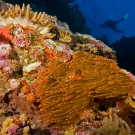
<point x="99" y="123"/>
<point x="49" y="77"/>
<point x="90" y="44"/>
<point x="17" y="124"/>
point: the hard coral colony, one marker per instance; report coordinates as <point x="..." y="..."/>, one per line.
<point x="47" y="86"/>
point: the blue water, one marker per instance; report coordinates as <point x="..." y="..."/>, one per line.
<point x="97" y="12"/>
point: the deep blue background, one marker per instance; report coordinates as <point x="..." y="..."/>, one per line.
<point x="97" y="12"/>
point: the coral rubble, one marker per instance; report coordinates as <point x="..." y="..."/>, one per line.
<point x="50" y="78"/>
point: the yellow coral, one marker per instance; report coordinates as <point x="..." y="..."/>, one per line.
<point x="23" y="118"/>
<point x="6" y="124"/>
<point x="69" y="132"/>
<point x="113" y="125"/>
<point x="130" y="102"/>
<point x="26" y="130"/>
<point x="64" y="98"/>
<point x="26" y="17"/>
<point x="65" y="36"/>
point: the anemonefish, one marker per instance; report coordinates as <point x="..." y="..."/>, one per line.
<point x="76" y="75"/>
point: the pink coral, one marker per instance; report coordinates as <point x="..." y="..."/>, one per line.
<point x="14" y="83"/>
<point x="12" y="130"/>
<point x="5" y="50"/>
<point x="8" y="70"/>
<point x="3" y="63"/>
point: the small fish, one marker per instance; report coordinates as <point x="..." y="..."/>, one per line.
<point x="76" y="75"/>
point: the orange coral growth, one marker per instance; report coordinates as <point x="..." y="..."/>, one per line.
<point x="25" y="89"/>
<point x="63" y="99"/>
<point x="31" y="97"/>
<point x="5" y="34"/>
<point x="51" y="54"/>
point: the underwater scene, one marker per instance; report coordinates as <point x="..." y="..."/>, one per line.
<point x="67" y="67"/>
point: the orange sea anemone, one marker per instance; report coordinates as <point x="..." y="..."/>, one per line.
<point x="64" y="89"/>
